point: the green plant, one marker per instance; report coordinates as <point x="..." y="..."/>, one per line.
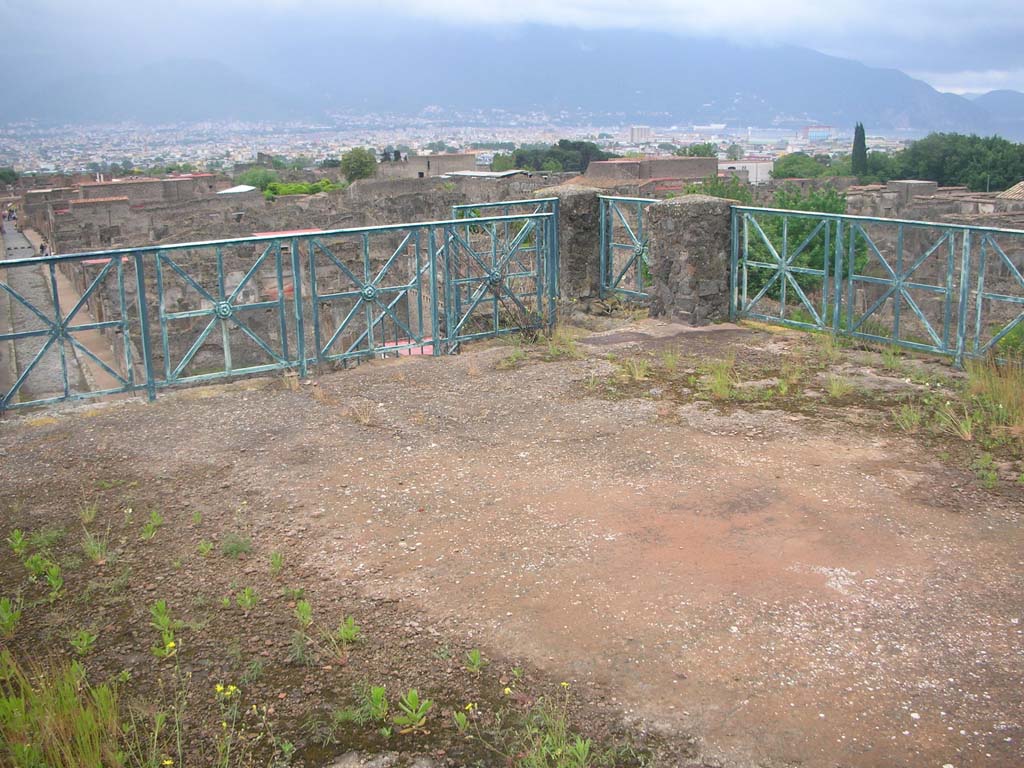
<point x="54" y="580"/>
<point x="197" y="518"/>
<point x="253" y="672"/>
<point x="87" y="514"/>
<point x="166" y="625"/>
<point x="304" y="613"/>
<point x="276" y="563"/>
<point x="83" y="641"/>
<point x="475" y="662"/>
<point x="909" y="418"/>
<point x="300" y="653"/>
<point x="414" y="712"/>
<point x="152" y="525"/>
<point x="985" y="469"/>
<point x="295" y="593"/>
<point x="838" y="386"/>
<point x="247" y="599"/>
<point x="10" y="615"/>
<point x="511" y="360"/>
<point x="670" y="360"/>
<point x="635" y="370"/>
<point x="892" y="360"/>
<point x="560" y="345"/>
<point x="45" y="538"/>
<point x="51" y="716"/>
<point x="18" y="543"/>
<point x="721" y="377"/>
<point x="234" y="546"/>
<point x="348" y="631"/>
<point x="37" y="565"/>
<point x="956" y="424"/>
<point x="95" y="548"/>
<point x="375" y="701"/>
<point x="205" y="547"/>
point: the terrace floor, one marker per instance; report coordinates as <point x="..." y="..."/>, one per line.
<point x="789" y="582"/>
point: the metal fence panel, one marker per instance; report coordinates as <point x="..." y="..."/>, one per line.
<point x="952" y="289"/>
<point x="145" y="319"/>
<point x="625" y="269"/>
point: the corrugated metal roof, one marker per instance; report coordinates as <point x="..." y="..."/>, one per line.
<point x="1016" y="192"/>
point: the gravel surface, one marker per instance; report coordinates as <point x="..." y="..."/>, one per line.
<point x="795" y="588"/>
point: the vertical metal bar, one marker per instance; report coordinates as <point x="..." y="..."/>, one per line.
<point x="734" y="253"/>
<point x="435" y="323"/>
<point x="162" y="309"/>
<point x="300" y="336"/>
<point x="368" y="305"/>
<point x="638" y="265"/>
<point x="897" y="296"/>
<point x="837" y="276"/>
<point x="59" y="329"/>
<point x="225" y="332"/>
<point x="555" y="256"/>
<point x="948" y="308"/>
<point x="604" y="247"/>
<point x="783" y="257"/>
<point x="825" y="255"/>
<point x="495" y="314"/>
<point x="147" y="353"/>
<point x="746" y="255"/>
<point x="979" y="296"/>
<point x="850" y="261"/>
<point x="129" y="373"/>
<point x="418" y="261"/>
<point x="282" y="310"/>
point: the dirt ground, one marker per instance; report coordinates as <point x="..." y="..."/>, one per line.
<point x="788" y="584"/>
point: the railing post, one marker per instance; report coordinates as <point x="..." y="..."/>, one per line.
<point x="147" y="352"/>
<point x="837" y="277"/>
<point x="965" y="297"/>
<point x="300" y="338"/>
<point x="734" y="261"/>
<point x="603" y="203"/>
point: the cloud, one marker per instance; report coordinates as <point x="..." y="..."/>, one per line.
<point x="974" y="81"/>
<point x="938" y="37"/>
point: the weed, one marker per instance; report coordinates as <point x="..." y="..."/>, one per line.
<point x="364" y="412"/>
<point x="53" y="717"/>
<point x="300" y="653"/>
<point x="234" y="546"/>
<point x="999" y="389"/>
<point x="892" y="360"/>
<point x="838" y="386"/>
<point x="511" y="360"/>
<point x="10" y="615"/>
<point x="276" y="563"/>
<point x="670" y="361"/>
<point x="828" y="348"/>
<point x="197" y="518"/>
<point x="166" y="625"/>
<point x="295" y="593"/>
<point x="375" y="703"/>
<point x="909" y="418"/>
<point x="414" y="712"/>
<point x="95" y="548"/>
<point x="18" y="543"/>
<point x="152" y="525"/>
<point x="87" y="514"/>
<point x="721" y="378"/>
<point x="984" y="467"/>
<point x="950" y="422"/>
<point x="205" y="547"/>
<point x="475" y="661"/>
<point x="635" y="370"/>
<point x="54" y="580"/>
<point x="83" y="641"/>
<point x="247" y="599"/>
<point x="560" y="346"/>
<point x="37" y="565"/>
<point x="45" y="539"/>
<point x="348" y="632"/>
<point x="304" y="614"/>
<point x="253" y="672"/>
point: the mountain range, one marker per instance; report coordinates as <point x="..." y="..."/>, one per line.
<point x="622" y="76"/>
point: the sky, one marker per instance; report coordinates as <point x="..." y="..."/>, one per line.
<point x="953" y="45"/>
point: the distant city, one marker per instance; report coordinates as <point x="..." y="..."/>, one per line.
<point x="31" y="147"/>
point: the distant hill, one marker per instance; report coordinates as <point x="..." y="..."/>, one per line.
<point x="1006" y="110"/>
<point x="573" y="75"/>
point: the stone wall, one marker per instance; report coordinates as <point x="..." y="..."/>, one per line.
<point x="689" y="250"/>
<point x="579" y="239"/>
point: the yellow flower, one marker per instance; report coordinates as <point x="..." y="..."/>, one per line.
<point x="168" y="761"/>
<point x="224" y="724"/>
<point x="508" y="691"/>
<point x="470" y="707"/>
<point x="564" y="684"/>
<point x="171" y="645"/>
<point x="218" y="688"/>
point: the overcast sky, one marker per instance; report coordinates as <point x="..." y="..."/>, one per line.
<point x="953" y="45"/>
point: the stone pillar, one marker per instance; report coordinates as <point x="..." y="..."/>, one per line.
<point x="689" y="249"/>
<point x="579" y="239"/>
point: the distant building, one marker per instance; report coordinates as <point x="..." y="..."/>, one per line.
<point x="425" y="166"/>
<point x="661" y="169"/>
<point x="757" y="171"/>
<point x="816" y="132"/>
<point x="639" y="134"/>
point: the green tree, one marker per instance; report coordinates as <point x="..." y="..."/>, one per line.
<point x="551" y="165"/>
<point x="859" y="156"/>
<point x="330" y="162"/>
<point x="258" y="177"/>
<point x="8" y="175"/>
<point x="731" y="189"/>
<point x="358" y="163"/>
<point x="734" y="152"/>
<point x="503" y="163"/>
<point x="797" y="165"/>
<point x="951" y="159"/>
<point x="707" y="149"/>
<point x="665" y="146"/>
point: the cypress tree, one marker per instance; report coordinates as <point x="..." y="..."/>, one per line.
<point x="859" y="158"/>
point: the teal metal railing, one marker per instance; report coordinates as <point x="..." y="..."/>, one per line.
<point x="145" y="319"/>
<point x="947" y="288"/>
<point x="625" y="268"/>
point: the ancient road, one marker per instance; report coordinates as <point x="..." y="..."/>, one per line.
<point x="46" y="378"/>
